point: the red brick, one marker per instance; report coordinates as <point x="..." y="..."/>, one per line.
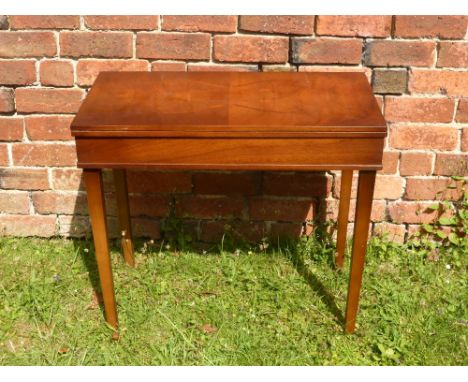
<point x="32" y="154"/>
<point x="296" y="184"/>
<point x="17" y="72"/>
<point x="416" y="163"/>
<point x="326" y="50"/>
<point x="144" y="227"/>
<point x="67" y="179"/>
<point x="50" y="127"/>
<point x="453" y="54"/>
<point x="221" y="68"/>
<point x="38" y="100"/>
<point x="362" y="26"/>
<point x="332" y="206"/>
<point x="462" y="111"/>
<point x="209" y="207"/>
<point x="7" y="103"/>
<point x="388" y="187"/>
<point x="451" y="164"/>
<point x="423" y="137"/>
<point x="285" y="230"/>
<point x="122" y="22"/>
<point x="165" y="182"/>
<point x="291" y="25"/>
<point x="213" y="231"/>
<point x="450" y="27"/>
<point x="200" y="23"/>
<point x="280" y="209"/>
<point x="27" y="225"/>
<point x="227" y="183"/>
<point x="411" y="212"/>
<point x="44" y="22"/>
<point x="4" y="23"/>
<point x="165" y="66"/>
<point x="400" y="53"/>
<point x="24" y="179"/>
<point x="56" y="73"/>
<point x="464" y="140"/>
<point x="245" y="48"/>
<point x="14" y="202"/>
<point x="87" y="70"/>
<point x="430" y="189"/>
<point x="11" y="129"/>
<point x="173" y="46"/>
<point x="73" y="225"/>
<point x="321" y="68"/>
<point x="393" y="232"/>
<point x="390" y="162"/>
<point x="52" y="202"/>
<point x="27" y="44"/>
<point x="4" y="161"/>
<point x="150" y="205"/>
<point x="448" y="82"/>
<point x="100" y="44"/>
<point x="412" y="109"/>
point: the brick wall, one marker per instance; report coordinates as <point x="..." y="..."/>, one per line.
<point x="417" y="66"/>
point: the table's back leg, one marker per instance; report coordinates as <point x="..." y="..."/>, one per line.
<point x="121" y="193"/>
<point x="361" y="232"/>
<point x="97" y="213"/>
<point x="343" y="214"/>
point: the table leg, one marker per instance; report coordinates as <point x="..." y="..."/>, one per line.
<point x="343" y="214"/>
<point x="121" y="193"/>
<point x="361" y="232"/>
<point x="97" y="213"/>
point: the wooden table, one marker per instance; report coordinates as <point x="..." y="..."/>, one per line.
<point x="230" y="121"/>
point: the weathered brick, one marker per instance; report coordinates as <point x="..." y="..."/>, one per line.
<point x="122" y="22"/>
<point x="11" y="129"/>
<point x="388" y="187"/>
<point x="32" y="154"/>
<point x="464" y="140"/>
<point x="150" y="205"/>
<point x="295" y="184"/>
<point x="27" y="225"/>
<point x="44" y="22"/>
<point x="332" y="207"/>
<point x="453" y="54"/>
<point x="279" y="68"/>
<point x="52" y="202"/>
<point x="67" y="179"/>
<point x="39" y="100"/>
<point x="56" y="73"/>
<point x="50" y="127"/>
<point x="155" y="181"/>
<point x="393" y="232"/>
<point x="245" y="48"/>
<point x="4" y="160"/>
<point x="411" y="212"/>
<point x="423" y="137"/>
<point x="166" y="66"/>
<point x="221" y="68"/>
<point x="73" y="225"/>
<point x="209" y="207"/>
<point x="4" y="23"/>
<point x="389" y="162"/>
<point x="390" y="81"/>
<point x="213" y="231"/>
<point x="24" y="179"/>
<point x="452" y="83"/>
<point x="292" y="25"/>
<point x="450" y="27"/>
<point x="27" y="44"/>
<point x="326" y="50"/>
<point x="200" y="23"/>
<point x="227" y="183"/>
<point x="145" y="227"/>
<point x="400" y="53"/>
<point x="285" y="230"/>
<point x="96" y="44"/>
<point x="87" y="70"/>
<point x="261" y="208"/>
<point x="14" y="202"/>
<point x="451" y="164"/>
<point x="412" y="109"/>
<point x="17" y="72"/>
<point x="415" y="163"/>
<point x="173" y="46"/>
<point x="326" y="68"/>
<point x="431" y="189"/>
<point x="462" y="111"/>
<point x="7" y="103"/>
<point x="362" y="26"/>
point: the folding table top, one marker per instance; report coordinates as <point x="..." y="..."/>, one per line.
<point x="225" y="104"/>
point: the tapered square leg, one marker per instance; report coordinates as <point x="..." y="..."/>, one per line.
<point x="343" y="214"/>
<point x="121" y="193"/>
<point x="365" y="194"/>
<point x="97" y="213"/>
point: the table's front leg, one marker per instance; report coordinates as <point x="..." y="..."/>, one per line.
<point x="97" y="213"/>
<point x="343" y="214"/>
<point x="361" y="232"/>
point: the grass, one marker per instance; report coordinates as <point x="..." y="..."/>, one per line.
<point x="277" y="307"/>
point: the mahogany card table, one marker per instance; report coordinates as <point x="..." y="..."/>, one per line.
<point x="230" y="121"/>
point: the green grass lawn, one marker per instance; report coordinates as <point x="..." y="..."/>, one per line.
<point x="282" y="307"/>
